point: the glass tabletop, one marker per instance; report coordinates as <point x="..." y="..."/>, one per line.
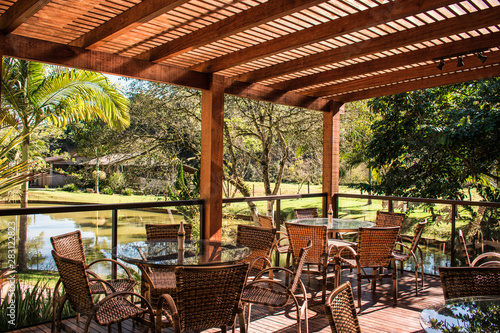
<point x="337" y="224"/>
<point x="196" y="252"/>
<point x="457" y="315"/>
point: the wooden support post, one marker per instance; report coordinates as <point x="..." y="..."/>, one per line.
<point x="331" y="151"/>
<point x="212" y="122"/>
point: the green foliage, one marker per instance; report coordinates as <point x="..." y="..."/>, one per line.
<point x="186" y="188"/>
<point x="127" y="191"/>
<point x="428" y="143"/>
<point x="107" y="190"/>
<point x="71" y="187"/>
<point x="117" y="182"/>
<point x="33" y="305"/>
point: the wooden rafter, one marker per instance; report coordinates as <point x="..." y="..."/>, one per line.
<point x="382" y="64"/>
<point x="445" y="79"/>
<point x="445" y="28"/>
<point x="247" y="19"/>
<point x="19" y="13"/>
<point x="471" y="62"/>
<point x="364" y="19"/>
<point x="75" y="57"/>
<point x="141" y="13"/>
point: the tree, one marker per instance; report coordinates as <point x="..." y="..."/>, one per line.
<point x="271" y="137"/>
<point x="428" y="143"/>
<point x="35" y="94"/>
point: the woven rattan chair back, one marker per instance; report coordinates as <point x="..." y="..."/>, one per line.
<point x="209" y="297"/>
<point x="299" y="267"/>
<point x="341" y="311"/>
<point x="166" y="231"/>
<point x="418" y="234"/>
<point x="375" y="246"/>
<point x="461" y="238"/>
<point x="260" y="240"/>
<point x="76" y="283"/>
<point x="387" y="219"/>
<point x="306" y="213"/>
<point x="69" y="245"/>
<point x="266" y="221"/>
<point x="299" y="235"/>
<point x="470" y="281"/>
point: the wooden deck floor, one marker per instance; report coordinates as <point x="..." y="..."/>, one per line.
<point x="376" y="315"/>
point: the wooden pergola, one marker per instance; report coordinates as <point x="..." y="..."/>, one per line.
<point x="305" y="53"/>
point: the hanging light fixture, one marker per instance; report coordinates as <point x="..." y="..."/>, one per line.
<point x="481" y="57"/>
<point x="440" y="65"/>
<point x="460" y="61"/>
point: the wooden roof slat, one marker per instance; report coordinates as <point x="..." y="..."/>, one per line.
<point x="420" y="55"/>
<point x="380" y="14"/>
<point x="141" y="13"/>
<point x="245" y="20"/>
<point x="20" y="11"/>
<point x="430" y="31"/>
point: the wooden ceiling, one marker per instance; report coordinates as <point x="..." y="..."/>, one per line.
<point x="294" y="52"/>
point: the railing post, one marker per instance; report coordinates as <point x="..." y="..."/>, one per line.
<point x="202" y="219"/>
<point x="453" y="214"/>
<point x="391" y="206"/>
<point x="114" y="238"/>
<point x="277" y="224"/>
<point x="335" y="202"/>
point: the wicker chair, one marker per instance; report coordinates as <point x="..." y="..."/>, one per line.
<point x="375" y="248"/>
<point x="341" y="311"/>
<point x="267" y="222"/>
<point x="158" y="281"/>
<point x="411" y="252"/>
<point x="262" y="241"/>
<point x="276" y="294"/>
<point x="205" y="297"/>
<point x="321" y="254"/>
<point x="70" y="245"/>
<point x="306" y="213"/>
<point x="470" y="281"/>
<point x="479" y="258"/>
<point x="166" y="231"/>
<point x="114" y="308"/>
<point x="388" y="219"/>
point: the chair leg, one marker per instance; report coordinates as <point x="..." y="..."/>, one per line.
<point x="395" y="284"/>
<point x="249" y="311"/>
<point x="359" y="290"/>
<point x="416" y="280"/>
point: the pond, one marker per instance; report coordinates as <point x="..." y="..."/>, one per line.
<point x="96" y="230"/>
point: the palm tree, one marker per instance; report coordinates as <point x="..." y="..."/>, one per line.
<point x="34" y="94"/>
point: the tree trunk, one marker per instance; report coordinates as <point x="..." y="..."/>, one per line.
<point x="22" y="258"/>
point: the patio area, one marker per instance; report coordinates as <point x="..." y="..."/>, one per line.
<point x="377" y="313"/>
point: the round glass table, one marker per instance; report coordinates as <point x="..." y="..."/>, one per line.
<point x="468" y="314"/>
<point x="338" y="225"/>
<point x="162" y="253"/>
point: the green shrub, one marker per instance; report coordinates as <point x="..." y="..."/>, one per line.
<point x="32" y="305"/>
<point x="117" y="182"/>
<point x="70" y="188"/>
<point x="127" y="191"/>
<point x="107" y="190"/>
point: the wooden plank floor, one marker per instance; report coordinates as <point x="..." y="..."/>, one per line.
<point x="377" y="313"/>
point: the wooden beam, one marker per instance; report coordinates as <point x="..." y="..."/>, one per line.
<point x="212" y="122"/>
<point x="471" y="63"/>
<point x="19" y="13"/>
<point x="263" y="93"/>
<point x="440" y="29"/>
<point x="331" y="151"/>
<point x="143" y="12"/>
<point x="75" y="57"/>
<point x="232" y="25"/>
<point x="350" y="23"/>
<point x="380" y="64"/>
<point x="445" y="79"/>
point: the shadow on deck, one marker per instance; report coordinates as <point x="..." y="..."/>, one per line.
<point x="377" y="312"/>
